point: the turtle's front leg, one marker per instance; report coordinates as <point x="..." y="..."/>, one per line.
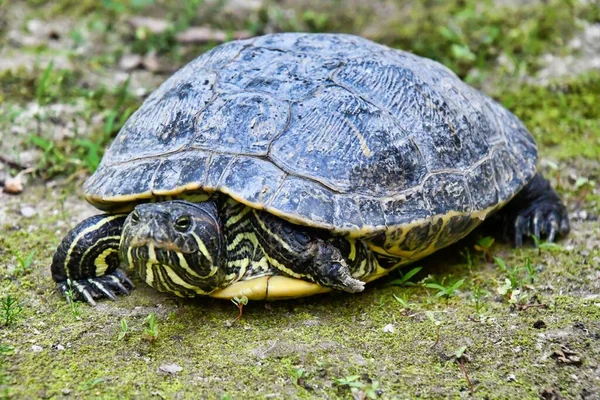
<point x="302" y="254"/>
<point x="87" y="260"/>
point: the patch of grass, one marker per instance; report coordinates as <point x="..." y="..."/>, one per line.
<point x="92" y="383"/>
<point x="322" y="17"/>
<point x="563" y="117"/>
<point x="83" y="152"/>
<point x="24" y="262"/>
<point x="464" y="35"/>
<point x="10" y="310"/>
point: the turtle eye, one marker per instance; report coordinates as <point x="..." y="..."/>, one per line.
<point x="183" y="223"/>
<point x="134" y="218"/>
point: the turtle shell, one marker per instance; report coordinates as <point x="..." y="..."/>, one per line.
<point x="326" y="130"/>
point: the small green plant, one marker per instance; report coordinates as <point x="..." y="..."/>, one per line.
<point x="460" y="357"/>
<point x="506" y="287"/>
<point x="484" y="245"/>
<point x="297" y="374"/>
<point x="10" y="309"/>
<point x="124" y="333"/>
<point x="359" y="389"/>
<point x="240" y="302"/>
<point x="92" y="157"/>
<point x="479" y="295"/>
<point x="53" y="161"/>
<point x="24" y="263"/>
<point x="444" y="291"/>
<point x="42" y="84"/>
<point x="584" y="186"/>
<point x="531" y="272"/>
<point x="73" y="303"/>
<point x="513" y="274"/>
<point x="151" y="332"/>
<point x="402" y="300"/>
<point x="437" y="323"/>
<point x="404" y="278"/>
<point x="92" y="383"/>
<point x="545" y="245"/>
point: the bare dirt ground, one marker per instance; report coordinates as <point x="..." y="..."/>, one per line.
<point x="524" y="326"/>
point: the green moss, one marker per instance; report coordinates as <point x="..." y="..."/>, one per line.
<point x="563" y="117"/>
<point x="330" y="337"/>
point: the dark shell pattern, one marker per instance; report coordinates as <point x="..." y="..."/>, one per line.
<point x="327" y="130"/>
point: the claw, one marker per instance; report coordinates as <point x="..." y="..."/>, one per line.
<point x="552" y="228"/>
<point x="564" y="226"/>
<point x="96" y="287"/>
<point x="104" y="290"/>
<point x="85" y="293"/>
<point x="124" y="278"/>
<point x="537" y="224"/>
<point x="518" y="231"/>
<point x="117" y="283"/>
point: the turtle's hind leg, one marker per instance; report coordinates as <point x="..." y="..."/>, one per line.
<point x="86" y="263"/>
<point x="535" y="211"/>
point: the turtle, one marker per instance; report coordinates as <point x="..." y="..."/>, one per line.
<point x="293" y="164"/>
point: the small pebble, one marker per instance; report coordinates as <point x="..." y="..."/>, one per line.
<point x="36" y="349"/>
<point x="389" y="328"/>
<point x="170" y="368"/>
<point x="14" y="185"/>
<point x="28" y="211"/>
<point x="130" y="62"/>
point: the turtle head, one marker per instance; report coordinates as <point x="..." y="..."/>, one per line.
<point x="176" y="246"/>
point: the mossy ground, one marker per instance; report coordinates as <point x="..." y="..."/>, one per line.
<point x="58" y="119"/>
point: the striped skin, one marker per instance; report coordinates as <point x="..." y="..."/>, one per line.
<point x="227" y="242"/>
<point x="185" y="262"/>
<point x="86" y="263"/>
<point x="221" y="242"/>
<point x="90" y="249"/>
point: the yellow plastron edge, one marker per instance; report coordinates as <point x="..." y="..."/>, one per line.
<point x="270" y="288"/>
